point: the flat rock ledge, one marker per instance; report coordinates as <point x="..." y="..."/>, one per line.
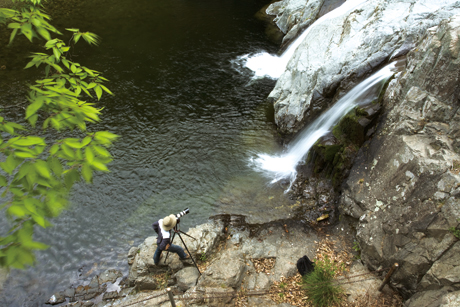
<point x="229" y="254"/>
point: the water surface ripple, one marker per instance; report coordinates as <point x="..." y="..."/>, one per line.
<point x="188" y="122"/>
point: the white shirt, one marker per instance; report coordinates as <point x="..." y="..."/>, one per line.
<point x="165" y="233"/>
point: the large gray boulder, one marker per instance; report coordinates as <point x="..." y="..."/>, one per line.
<point x="204" y="238"/>
<point x="293" y="16"/>
<point x="404" y="186"/>
<point x="225" y="271"/>
<point x="340" y="51"/>
<point x="140" y="258"/>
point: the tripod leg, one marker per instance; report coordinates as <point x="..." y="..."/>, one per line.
<point x="187" y="235"/>
<point x="171" y="241"/>
<point x="189" y="253"/>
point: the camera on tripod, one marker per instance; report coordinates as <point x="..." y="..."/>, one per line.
<point x="181" y="214"/>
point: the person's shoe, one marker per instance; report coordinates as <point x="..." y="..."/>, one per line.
<point x="187" y="257"/>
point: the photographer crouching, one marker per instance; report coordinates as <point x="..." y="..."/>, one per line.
<point x="163" y="228"/>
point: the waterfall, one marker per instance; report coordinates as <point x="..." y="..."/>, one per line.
<point x="264" y="64"/>
<point x="283" y="166"/>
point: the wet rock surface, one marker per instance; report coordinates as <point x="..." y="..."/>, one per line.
<point x="403" y="186"/>
<point x="337" y="54"/>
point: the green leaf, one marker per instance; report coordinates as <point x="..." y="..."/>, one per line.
<point x="44" y="33"/>
<point x="13" y="35"/>
<point x="56" y="53"/>
<point x="11" y="163"/>
<point x="68" y="151"/>
<point x="31" y="176"/>
<point x="29" y="203"/>
<point x="24" y="170"/>
<point x="54" y="149"/>
<point x="98" y="91"/>
<point x="86" y="141"/>
<point x="40" y="220"/>
<point x="66" y="63"/>
<point x="3" y="181"/>
<point x="27" y="141"/>
<point x="99" y="166"/>
<point x="87" y="172"/>
<point x="35" y="245"/>
<point x="101" y="151"/>
<point x="16" y="210"/>
<point x="34" y="107"/>
<point x="76" y="38"/>
<point x="43" y="182"/>
<point x="14" y="25"/>
<point x="71" y="177"/>
<point x="55" y="165"/>
<point x="26" y="29"/>
<point x="89" y="155"/>
<point x="8" y="128"/>
<point x="42" y="169"/>
<point x="73" y="142"/>
<point x="106" y="135"/>
<point x="24" y="155"/>
<point x="33" y="120"/>
<point x="79" y="154"/>
<point x="106" y="89"/>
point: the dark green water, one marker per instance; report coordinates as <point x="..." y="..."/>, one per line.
<point x="189" y="121"/>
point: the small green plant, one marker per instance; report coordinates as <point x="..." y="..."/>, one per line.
<point x="455" y="232"/>
<point x="281" y="295"/>
<point x="356" y="246"/>
<point x="203" y="257"/>
<point x="357" y="249"/>
<point x="319" y="285"/>
<point x="282" y="285"/>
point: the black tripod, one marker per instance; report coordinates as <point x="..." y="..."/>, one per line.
<point x="178" y="231"/>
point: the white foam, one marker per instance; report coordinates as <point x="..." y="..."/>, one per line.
<point x="264" y="64"/>
<point x="283" y="165"/>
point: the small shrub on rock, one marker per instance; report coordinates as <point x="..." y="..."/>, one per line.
<point x="319" y="285"/>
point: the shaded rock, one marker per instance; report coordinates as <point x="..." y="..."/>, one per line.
<point x="225" y="271"/>
<point x="451" y="299"/>
<point x="445" y="271"/>
<point x="110" y="295"/>
<point x="143" y="259"/>
<point x="403" y="184"/>
<point x="196" y="295"/>
<point x="146" y="283"/>
<point x="355" y="290"/>
<point x="56" y="298"/>
<point x="109" y="276"/>
<point x="294" y="16"/>
<point x="187" y="278"/>
<point x="205" y="237"/>
<point x="430" y="298"/>
<point x="132" y="254"/>
<point x="272" y="31"/>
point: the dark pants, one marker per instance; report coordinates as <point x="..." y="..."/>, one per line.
<point x="173" y="249"/>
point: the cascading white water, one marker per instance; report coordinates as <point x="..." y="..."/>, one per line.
<point x="283" y="166"/>
<point x="264" y="64"/>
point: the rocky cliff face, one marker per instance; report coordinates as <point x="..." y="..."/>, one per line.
<point x="340" y="51"/>
<point x="404" y="186"/>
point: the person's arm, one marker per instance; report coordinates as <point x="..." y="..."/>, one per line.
<point x="156" y="227"/>
<point x="164" y="244"/>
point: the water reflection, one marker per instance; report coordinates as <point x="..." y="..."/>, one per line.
<point x="187" y="121"/>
